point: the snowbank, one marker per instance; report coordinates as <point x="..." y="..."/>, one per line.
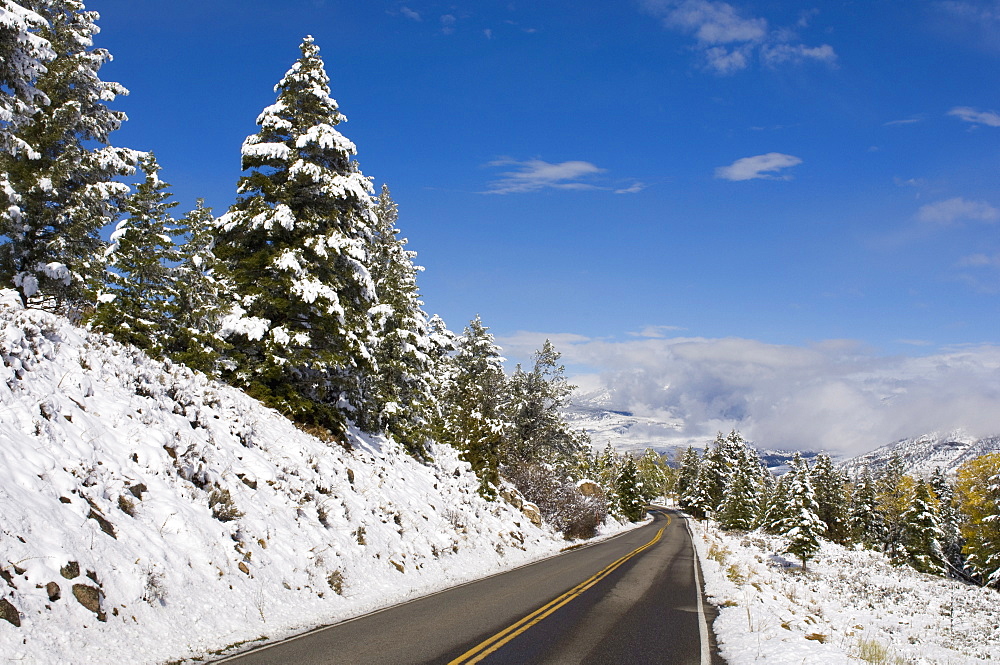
<point x="150" y="514"/>
<point x="850" y="606"/>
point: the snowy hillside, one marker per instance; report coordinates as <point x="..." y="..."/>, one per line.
<point x="921" y="455"/>
<point x="149" y="514"/>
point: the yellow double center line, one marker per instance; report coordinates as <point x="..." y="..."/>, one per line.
<point x="488" y="646"/>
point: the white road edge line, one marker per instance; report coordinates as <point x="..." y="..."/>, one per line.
<point x="706" y="657"/>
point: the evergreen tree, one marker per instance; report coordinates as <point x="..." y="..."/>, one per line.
<point x="62" y="182"/>
<point x="23" y="56"/>
<point x="699" y="501"/>
<point x="690" y="462"/>
<point x="802" y="527"/>
<point x="741" y="503"/>
<point x="474" y="421"/>
<point x="538" y="431"/>
<point x="202" y="293"/>
<point x="443" y="343"/>
<point x="401" y="387"/>
<point x="978" y="492"/>
<point x="922" y="533"/>
<point x="629" y="492"/>
<point x="296" y="243"/>
<point x="136" y="304"/>
<point x="831" y="499"/>
<point x="864" y="520"/>
<point x="652" y="470"/>
<point x="952" y="541"/>
<point x="777" y="506"/>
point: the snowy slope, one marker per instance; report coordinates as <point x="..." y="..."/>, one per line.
<point x="851" y="606"/>
<point x="149" y="514"/>
<point x="921" y="455"/>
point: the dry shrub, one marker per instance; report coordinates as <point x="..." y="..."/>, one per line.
<point x="560" y="502"/>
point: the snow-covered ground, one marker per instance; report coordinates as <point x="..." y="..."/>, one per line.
<point x="850" y="606"/>
<point x="147" y="514"/>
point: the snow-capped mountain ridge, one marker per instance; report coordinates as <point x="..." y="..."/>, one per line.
<point x="921" y="455"/>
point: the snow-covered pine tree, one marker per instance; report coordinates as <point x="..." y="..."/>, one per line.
<point x="538" y="432"/>
<point x="629" y="492"/>
<point x="741" y="502"/>
<point x="202" y="293"/>
<point x="297" y="243"/>
<point x="864" y="520"/>
<point x="802" y="526"/>
<point x="776" y="506"/>
<point x="831" y="498"/>
<point x="137" y="300"/>
<point x="653" y="471"/>
<point x="474" y="419"/>
<point x="978" y="492"/>
<point x="23" y="55"/>
<point x="443" y="343"/>
<point x="64" y="187"/>
<point x="952" y="540"/>
<point x="401" y="387"/>
<point x="689" y="464"/>
<point x="698" y="500"/>
<point x="922" y="535"/>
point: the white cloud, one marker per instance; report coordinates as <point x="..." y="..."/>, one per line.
<point x="409" y="13"/>
<point x="713" y="22"/>
<point x="534" y="174"/>
<point x="980" y="261"/>
<point x="976" y="117"/>
<point x="836" y="396"/>
<point x="728" y="39"/>
<point x="655" y="332"/>
<point x="782" y="53"/>
<point x="953" y="211"/>
<point x="448" y="23"/>
<point x="634" y="188"/>
<point x="758" y="167"/>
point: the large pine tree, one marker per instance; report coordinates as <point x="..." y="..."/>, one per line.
<point x="922" y="535"/>
<point x="23" y="56"/>
<point x="297" y="243"/>
<point x="64" y="187"/>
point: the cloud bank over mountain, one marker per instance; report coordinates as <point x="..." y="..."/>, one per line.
<point x="835" y="395"/>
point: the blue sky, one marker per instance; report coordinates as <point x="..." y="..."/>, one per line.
<point x="630" y="177"/>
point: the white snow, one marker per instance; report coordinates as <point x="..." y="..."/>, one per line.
<point x="847" y="603"/>
<point x="204" y="519"/>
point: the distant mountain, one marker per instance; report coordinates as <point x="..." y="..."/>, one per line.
<point x="921" y="455"/>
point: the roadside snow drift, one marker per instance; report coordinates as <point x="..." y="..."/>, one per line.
<point x="147" y="513"/>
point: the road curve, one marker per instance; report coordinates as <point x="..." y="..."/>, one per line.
<point x="631" y="599"/>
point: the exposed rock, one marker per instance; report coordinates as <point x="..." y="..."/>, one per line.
<point x="589" y="488"/>
<point x="55" y="593"/>
<point x="243" y="567"/>
<point x="70" y="570"/>
<point x="9" y="612"/>
<point x="532" y="512"/>
<point x="511" y="496"/>
<point x="88" y="596"/>
<point x="106" y="526"/>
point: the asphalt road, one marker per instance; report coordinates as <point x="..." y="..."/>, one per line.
<point x="630" y="600"/>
